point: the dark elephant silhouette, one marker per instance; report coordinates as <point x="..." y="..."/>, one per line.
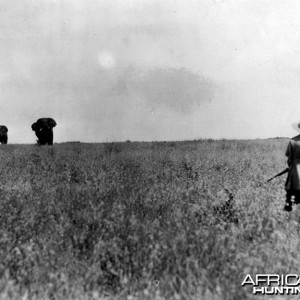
<point x="3" y="134"/>
<point x="43" y="130"/>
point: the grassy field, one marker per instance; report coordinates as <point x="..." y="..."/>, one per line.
<point x="176" y="220"/>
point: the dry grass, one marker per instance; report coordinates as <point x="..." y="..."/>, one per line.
<point x="143" y="220"/>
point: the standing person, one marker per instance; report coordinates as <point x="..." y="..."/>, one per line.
<point x="292" y="184"/>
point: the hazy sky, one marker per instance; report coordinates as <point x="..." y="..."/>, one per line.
<point x="149" y="69"/>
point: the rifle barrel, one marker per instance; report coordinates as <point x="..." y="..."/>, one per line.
<point x="279" y="174"/>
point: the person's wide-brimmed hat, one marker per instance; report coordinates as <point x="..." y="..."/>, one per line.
<point x="296" y="126"/>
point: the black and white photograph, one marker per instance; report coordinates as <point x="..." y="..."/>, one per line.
<point x="149" y="150"/>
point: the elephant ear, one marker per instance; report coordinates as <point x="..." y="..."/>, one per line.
<point x="3" y="128"/>
<point x="51" y="122"/>
<point x="34" y="126"/>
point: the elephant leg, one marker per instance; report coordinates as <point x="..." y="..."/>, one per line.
<point x="3" y="139"/>
<point x="41" y="137"/>
<point x="42" y="141"/>
<point x="50" y="137"/>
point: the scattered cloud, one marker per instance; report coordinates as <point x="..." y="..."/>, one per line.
<point x="180" y="90"/>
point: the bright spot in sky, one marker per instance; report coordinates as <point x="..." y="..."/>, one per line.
<point x="106" y="60"/>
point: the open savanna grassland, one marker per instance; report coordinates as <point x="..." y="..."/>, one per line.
<point x="175" y="220"/>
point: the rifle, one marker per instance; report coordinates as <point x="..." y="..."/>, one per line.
<point x="279" y="174"/>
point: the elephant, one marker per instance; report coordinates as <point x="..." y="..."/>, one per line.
<point x="3" y="134"/>
<point x="43" y="130"/>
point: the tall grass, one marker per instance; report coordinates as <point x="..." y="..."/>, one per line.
<point x="143" y="220"/>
